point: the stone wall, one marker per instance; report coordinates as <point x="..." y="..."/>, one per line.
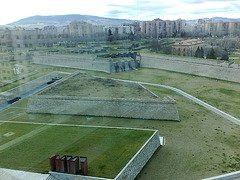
<point x="83" y="62"/>
<point x="113" y="107"/>
<point x="12" y="93"/>
<point x="212" y="69"/>
<point x="139" y="160"/>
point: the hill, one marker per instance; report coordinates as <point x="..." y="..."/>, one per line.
<point x="64" y="20"/>
<point x="215" y="19"/>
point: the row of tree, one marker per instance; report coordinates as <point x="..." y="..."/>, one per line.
<point x="212" y="54"/>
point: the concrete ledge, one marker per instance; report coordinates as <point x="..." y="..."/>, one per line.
<point x="10" y="174"/>
<point x="229" y="176"/>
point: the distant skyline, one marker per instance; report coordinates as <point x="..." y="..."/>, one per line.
<point x="125" y="9"/>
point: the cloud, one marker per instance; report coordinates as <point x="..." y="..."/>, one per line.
<point x="204" y="1"/>
<point x="138" y="9"/>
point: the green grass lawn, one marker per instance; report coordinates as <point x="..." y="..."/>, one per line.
<point x="221" y="94"/>
<point x="201" y="145"/>
<point x="108" y="150"/>
<point x="82" y="85"/>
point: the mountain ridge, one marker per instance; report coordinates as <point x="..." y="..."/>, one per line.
<point x="62" y="21"/>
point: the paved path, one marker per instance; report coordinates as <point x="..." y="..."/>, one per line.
<point x="198" y="101"/>
<point x="229" y="176"/>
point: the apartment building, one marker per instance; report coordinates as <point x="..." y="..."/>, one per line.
<point x="209" y="27"/>
<point x="22" y="38"/>
<point x="82" y="29"/>
<point x="160" y="28"/>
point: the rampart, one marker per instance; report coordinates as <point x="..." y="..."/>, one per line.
<point x="12" y="93"/>
<point x="83" y="62"/>
<point x="132" y="168"/>
<point x="113" y="107"/>
<point x="212" y="69"/>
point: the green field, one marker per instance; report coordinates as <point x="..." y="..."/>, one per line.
<point x="202" y="145"/>
<point x="108" y="150"/>
<point x="221" y="94"/>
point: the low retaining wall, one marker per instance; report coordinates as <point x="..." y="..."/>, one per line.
<point x="212" y="69"/>
<point x="83" y="62"/>
<point x="132" y="168"/>
<point x="127" y="108"/>
<point x="12" y="93"/>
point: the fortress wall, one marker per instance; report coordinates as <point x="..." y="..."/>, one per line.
<point x="127" y="108"/>
<point x="83" y="62"/>
<point x="134" y="166"/>
<point x="12" y="93"/>
<point x="72" y="61"/>
<point x="212" y="69"/>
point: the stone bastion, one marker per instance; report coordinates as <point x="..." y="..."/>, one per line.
<point x="112" y="98"/>
<point x="96" y="63"/>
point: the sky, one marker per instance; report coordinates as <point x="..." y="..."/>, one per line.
<point x="13" y="10"/>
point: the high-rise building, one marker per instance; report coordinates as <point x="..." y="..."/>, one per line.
<point x="82" y="29"/>
<point x="158" y="27"/>
<point x="209" y="27"/>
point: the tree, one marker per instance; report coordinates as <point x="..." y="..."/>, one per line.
<point x="110" y="36"/>
<point x="160" y="35"/>
<point x="225" y="55"/>
<point x="131" y="36"/>
<point x="156" y="45"/>
<point x="199" y="53"/>
<point x="183" y="34"/>
<point x="211" y="54"/>
<point x="175" y="33"/>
